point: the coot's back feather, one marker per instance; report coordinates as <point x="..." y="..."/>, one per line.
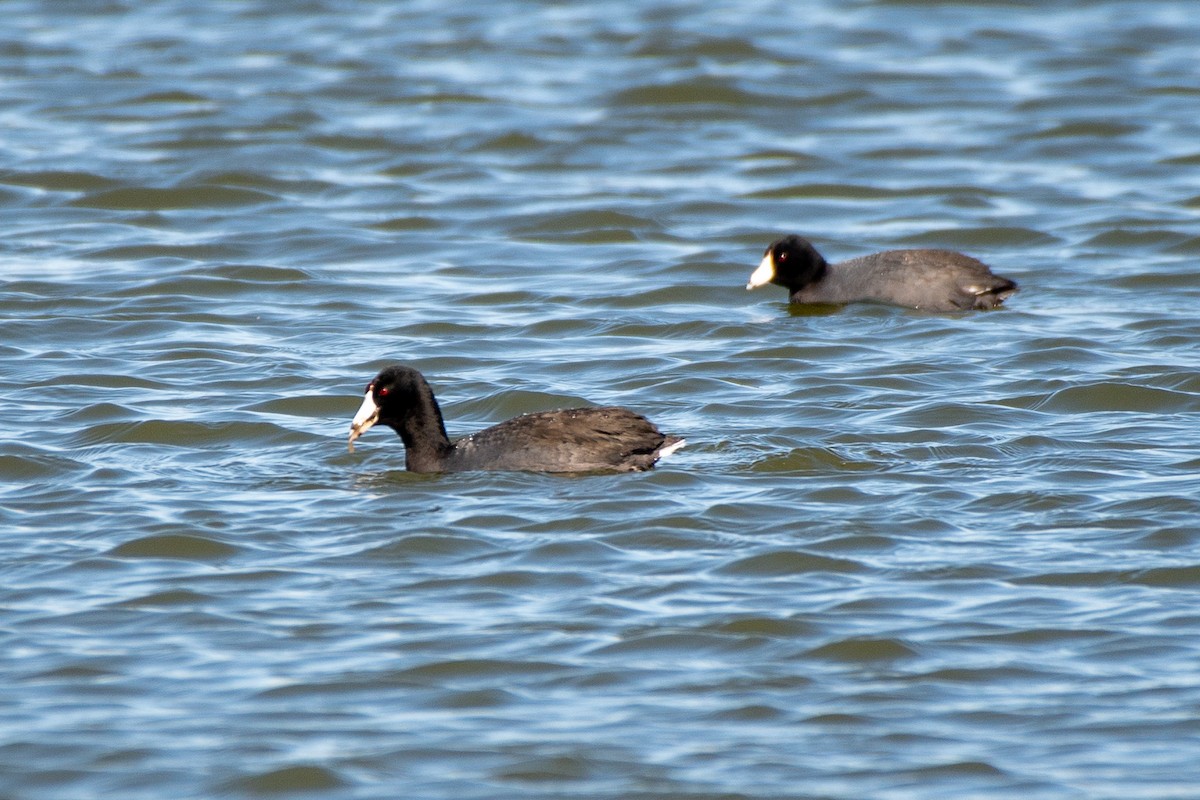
<point x="571" y="440"/>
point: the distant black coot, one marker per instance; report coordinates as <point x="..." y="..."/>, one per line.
<point x="572" y="440"/>
<point x="932" y="280"/>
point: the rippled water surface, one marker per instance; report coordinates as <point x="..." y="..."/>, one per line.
<point x="904" y="555"/>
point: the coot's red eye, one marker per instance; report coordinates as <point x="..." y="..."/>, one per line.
<point x="383" y="392"/>
<point x="781" y="255"/>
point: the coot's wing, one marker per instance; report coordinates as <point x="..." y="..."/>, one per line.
<point x="934" y="280"/>
<point x="572" y="440"/>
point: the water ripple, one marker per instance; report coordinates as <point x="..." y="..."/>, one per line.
<point x="903" y="554"/>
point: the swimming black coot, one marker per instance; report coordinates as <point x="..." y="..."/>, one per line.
<point x="572" y="440"/>
<point x="933" y="280"/>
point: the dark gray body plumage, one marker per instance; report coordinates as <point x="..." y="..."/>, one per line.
<point x="934" y="280"/>
<point x="603" y="438"/>
<point x="571" y="440"/>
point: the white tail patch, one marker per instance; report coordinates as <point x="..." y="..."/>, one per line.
<point x="671" y="448"/>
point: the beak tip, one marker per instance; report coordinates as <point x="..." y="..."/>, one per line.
<point x="364" y="420"/>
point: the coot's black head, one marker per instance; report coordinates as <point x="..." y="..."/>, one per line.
<point x="791" y="262"/>
<point x="393" y="397"/>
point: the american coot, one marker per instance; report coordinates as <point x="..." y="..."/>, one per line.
<point x="573" y="440"/>
<point x="933" y="280"/>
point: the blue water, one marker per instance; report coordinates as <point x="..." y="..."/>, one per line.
<point x="904" y="555"/>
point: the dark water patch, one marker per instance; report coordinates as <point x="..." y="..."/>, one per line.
<point x="830" y="191"/>
<point x="962" y="572"/>
<point x="486" y="669"/>
<point x="902" y="153"/>
<point x="937" y="415"/>
<point x="678" y="645"/>
<point x="1184" y="577"/>
<point x="30" y="464"/>
<point x="477" y="699"/>
<point x="839" y="720"/>
<point x="500" y="582"/>
<point x="504" y="298"/>
<point x="509" y="142"/>
<point x="554" y="769"/>
<point x="958" y="769"/>
<point x="1137" y="239"/>
<point x="310" y="406"/>
<point x="1180" y="577"/>
<point x="586" y="227"/>
<point x="103" y="381"/>
<point x="186" y="547"/>
<point x="820" y="460"/>
<point x="82" y="672"/>
<point x="789" y="562"/>
<point x="850" y="98"/>
<point x="409" y="223"/>
<point x="1102" y="129"/>
<point x="754" y="713"/>
<point x="1180" y="538"/>
<point x="444" y="99"/>
<point x="1033" y="501"/>
<point x="697" y="92"/>
<point x="256" y="273"/>
<point x="769" y="627"/>
<point x="170" y="598"/>
<point x="1190" y="160"/>
<point x="420" y="546"/>
<point x="178" y="198"/>
<point x="1187" y="247"/>
<point x="59" y="180"/>
<point x="711" y="46"/>
<point x="1112" y="396"/>
<point x="182" y="433"/>
<point x="352" y="143"/>
<point x="658" y="540"/>
<point x="1157" y="505"/>
<point x="302" y="778"/>
<point x="1043" y="636"/>
<point x="100" y="412"/>
<point x="1079" y="354"/>
<point x="170" y="98"/>
<point x="261" y="180"/>
<point x="863" y="650"/>
<point x="865" y="543"/>
<point x="569" y="554"/>
<point x="986" y="676"/>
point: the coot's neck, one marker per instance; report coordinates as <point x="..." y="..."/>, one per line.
<point x="426" y="445"/>
<point x="820" y="268"/>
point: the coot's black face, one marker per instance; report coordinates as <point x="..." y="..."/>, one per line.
<point x="388" y="397"/>
<point x="791" y="262"/>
